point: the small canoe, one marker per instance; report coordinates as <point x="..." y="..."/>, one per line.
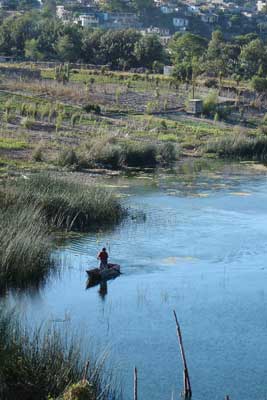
<point x="111" y="272"/>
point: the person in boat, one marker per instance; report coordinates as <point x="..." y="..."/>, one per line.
<point x="103" y="257"/>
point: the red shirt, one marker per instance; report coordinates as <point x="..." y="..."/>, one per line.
<point x="103" y="255"/>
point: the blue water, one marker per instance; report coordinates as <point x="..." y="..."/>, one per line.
<point x="202" y="250"/>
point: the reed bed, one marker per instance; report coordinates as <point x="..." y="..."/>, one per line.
<point x="31" y="209"/>
<point x="68" y="205"/>
<point x="45" y="363"/>
<point x="25" y="246"/>
<point x="240" y="147"/>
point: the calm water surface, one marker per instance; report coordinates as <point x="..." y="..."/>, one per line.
<point x="202" y="250"/>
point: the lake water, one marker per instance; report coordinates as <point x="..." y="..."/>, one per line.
<point x="201" y="250"/>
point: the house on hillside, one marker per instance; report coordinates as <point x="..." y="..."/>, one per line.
<point x="63" y="14"/>
<point x="120" y="20"/>
<point x="209" y="18"/>
<point x="261" y="5"/>
<point x="87" y="21"/>
<point x="180" y="22"/>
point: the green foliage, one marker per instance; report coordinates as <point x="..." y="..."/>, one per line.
<point x="30" y="208"/>
<point x="240" y="147"/>
<point x="27" y="122"/>
<point x="149" y="50"/>
<point x="37" y="155"/>
<point x="47" y="363"/>
<point x="92" y="108"/>
<point x="67" y="158"/>
<point x="210" y="103"/>
<point x="80" y="391"/>
<point x="74" y="119"/>
<point x="259" y="84"/>
<point x="168" y="153"/>
<point x="140" y="155"/>
<point x="24" y="242"/>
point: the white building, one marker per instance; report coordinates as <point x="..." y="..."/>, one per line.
<point x="260" y="5"/>
<point x="63" y="14"/>
<point x="87" y="20"/>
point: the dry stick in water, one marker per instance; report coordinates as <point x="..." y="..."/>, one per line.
<point x="187" y="386"/>
<point x="85" y="371"/>
<point x="135" y="383"/>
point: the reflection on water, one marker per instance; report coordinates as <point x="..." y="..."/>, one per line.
<point x="202" y="250"/>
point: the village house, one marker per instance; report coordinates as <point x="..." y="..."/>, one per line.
<point x="261" y="5"/>
<point x="87" y="21"/>
<point x="163" y="34"/>
<point x="63" y="14"/>
<point x="209" y="18"/>
<point x="180" y="22"/>
<point x="120" y="20"/>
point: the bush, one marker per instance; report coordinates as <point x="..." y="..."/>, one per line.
<point x="37" y="155"/>
<point x="27" y="122"/>
<point x="211" y="83"/>
<point x="168" y="153"/>
<point x="140" y="155"/>
<point x="259" y="84"/>
<point x="210" y="103"/>
<point x="67" y="158"/>
<point x="104" y="152"/>
<point x="92" y="108"/>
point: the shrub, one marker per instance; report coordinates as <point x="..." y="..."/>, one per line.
<point x="92" y="108"/>
<point x="140" y="155"/>
<point x="259" y="84"/>
<point x="37" y="155"/>
<point x="27" y="122"/>
<point x="210" y="103"/>
<point x="74" y="119"/>
<point x="67" y="158"/>
<point x="211" y="83"/>
<point x="104" y="152"/>
<point x="168" y="153"/>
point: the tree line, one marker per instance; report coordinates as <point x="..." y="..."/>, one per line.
<point x="39" y="38"/>
<point x="244" y="57"/>
<point x="35" y="36"/>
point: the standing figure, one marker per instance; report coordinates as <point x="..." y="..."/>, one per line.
<point x="103" y="257"/>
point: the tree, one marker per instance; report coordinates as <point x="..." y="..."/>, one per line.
<point x="186" y="52"/>
<point x="252" y="57"/>
<point x="66" y="48"/>
<point x="148" y="50"/>
<point x="91" y="46"/>
<point x="117" y="48"/>
<point x="215" y="61"/>
<point x="32" y="51"/>
<point x="259" y="84"/>
<point x="143" y="5"/>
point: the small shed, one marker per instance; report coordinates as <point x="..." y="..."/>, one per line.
<point x="195" y="106"/>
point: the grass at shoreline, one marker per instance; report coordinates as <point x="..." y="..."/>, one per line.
<point x="31" y="209"/>
<point x="43" y="364"/>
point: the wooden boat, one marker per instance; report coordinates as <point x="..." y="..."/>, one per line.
<point x="97" y="275"/>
